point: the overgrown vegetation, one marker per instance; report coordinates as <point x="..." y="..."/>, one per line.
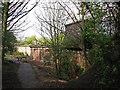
<point x="98" y="39"/>
<point x="101" y="48"/>
<point x="96" y="36"/>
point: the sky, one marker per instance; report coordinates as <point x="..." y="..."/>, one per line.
<point x="30" y="31"/>
<point x="33" y="21"/>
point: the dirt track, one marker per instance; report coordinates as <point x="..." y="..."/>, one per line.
<point x="46" y="79"/>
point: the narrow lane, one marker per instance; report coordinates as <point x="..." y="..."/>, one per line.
<point x="27" y="76"/>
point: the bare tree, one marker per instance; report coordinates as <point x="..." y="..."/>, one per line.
<point x="0" y="30"/>
<point x="52" y="23"/>
<point x="85" y="10"/>
<point x="12" y="12"/>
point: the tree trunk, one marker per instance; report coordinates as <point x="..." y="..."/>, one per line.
<point x="83" y="37"/>
<point x="117" y="32"/>
<point x="4" y="26"/>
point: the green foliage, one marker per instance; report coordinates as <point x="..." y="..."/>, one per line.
<point x="99" y="48"/>
<point x="96" y="40"/>
<point x="10" y="41"/>
<point x="47" y="59"/>
<point x="78" y="70"/>
<point x="65" y="65"/>
<point x="96" y="43"/>
<point x="20" y="42"/>
<point x="8" y="55"/>
<point x="108" y="75"/>
<point x="57" y="40"/>
<point x="45" y="41"/>
<point x="64" y="57"/>
<point x="19" y="54"/>
<point x="30" y="40"/>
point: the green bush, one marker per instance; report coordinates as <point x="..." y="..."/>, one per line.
<point x="78" y="70"/>
<point x="19" y="54"/>
<point x="66" y="65"/>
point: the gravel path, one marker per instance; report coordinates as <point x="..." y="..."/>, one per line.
<point x="27" y="76"/>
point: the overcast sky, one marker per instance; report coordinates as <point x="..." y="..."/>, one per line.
<point x="32" y="20"/>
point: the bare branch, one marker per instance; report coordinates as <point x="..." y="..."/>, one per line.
<point x="20" y="16"/>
